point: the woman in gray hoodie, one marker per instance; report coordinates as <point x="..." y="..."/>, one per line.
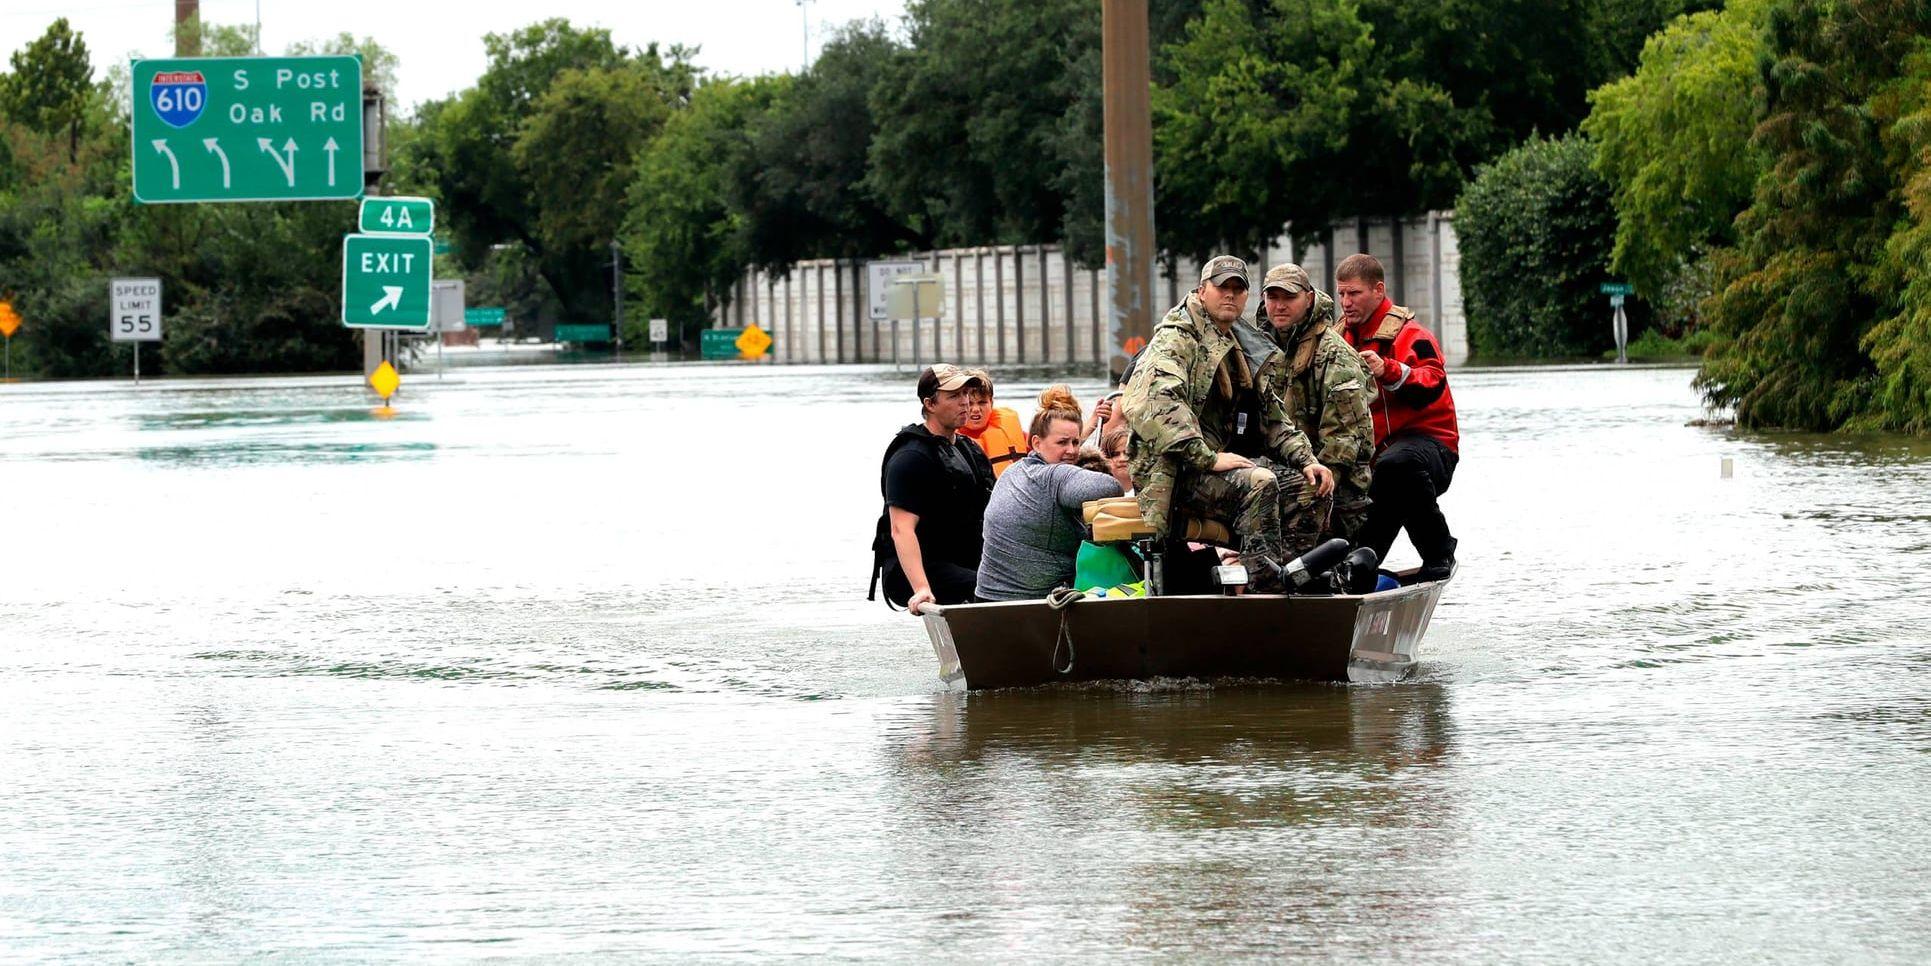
<point x="1032" y="524"/>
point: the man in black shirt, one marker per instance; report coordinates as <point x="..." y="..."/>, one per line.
<point x="936" y="485"/>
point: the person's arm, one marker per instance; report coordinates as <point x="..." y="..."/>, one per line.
<point x="1155" y="404"/>
<point x="1347" y="429"/>
<point x="905" y="540"/>
<point x="1415" y="375"/>
<point x="1074" y="487"/>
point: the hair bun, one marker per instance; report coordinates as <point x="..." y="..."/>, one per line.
<point x="1059" y="397"/>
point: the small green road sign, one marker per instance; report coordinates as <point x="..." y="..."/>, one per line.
<point x="586" y="332"/>
<point x="719" y="344"/>
<point x="1617" y="288"/>
<point x="483" y="316"/>
<point x="398" y="216"/>
<point x="386" y="281"/>
<point x="247" y="129"/>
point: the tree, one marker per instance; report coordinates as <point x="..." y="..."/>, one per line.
<point x="51" y="89"/>
<point x="1797" y="300"/>
<point x="803" y="190"/>
<point x="1673" y="141"/>
<point x="487" y="190"/>
<point x="685" y="244"/>
<point x="1534" y="229"/>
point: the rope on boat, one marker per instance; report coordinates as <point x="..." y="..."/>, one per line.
<point x="1060" y="599"/>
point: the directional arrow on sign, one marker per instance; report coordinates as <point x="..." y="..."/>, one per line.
<point x="287" y="163"/>
<point x="391" y="297"/>
<point x="331" y="147"/>
<point x="214" y="145"/>
<point x="161" y="145"/>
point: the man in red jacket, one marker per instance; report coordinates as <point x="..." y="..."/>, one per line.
<point x="1414" y="417"/>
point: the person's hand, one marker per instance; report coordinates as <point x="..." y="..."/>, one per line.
<point x="1321" y="477"/>
<point x="1231" y="461"/>
<point x="919" y="599"/>
<point x="1103" y="410"/>
<point x="1375" y="363"/>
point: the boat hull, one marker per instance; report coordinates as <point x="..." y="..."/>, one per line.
<point x="1367" y="637"/>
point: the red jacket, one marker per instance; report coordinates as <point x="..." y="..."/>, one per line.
<point x="1413" y="396"/>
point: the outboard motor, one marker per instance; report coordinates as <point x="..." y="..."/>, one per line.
<point x="1302" y="574"/>
<point x="1356" y="574"/>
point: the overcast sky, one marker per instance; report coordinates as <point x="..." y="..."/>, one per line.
<point x="441" y="45"/>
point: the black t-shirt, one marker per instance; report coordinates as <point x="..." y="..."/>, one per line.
<point x="946" y="485"/>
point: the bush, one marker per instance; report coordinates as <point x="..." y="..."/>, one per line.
<point x="1536" y="228"/>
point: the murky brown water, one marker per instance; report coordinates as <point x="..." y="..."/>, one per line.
<point x="576" y="661"/>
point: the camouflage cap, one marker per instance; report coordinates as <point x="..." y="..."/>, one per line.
<point x="944" y="376"/>
<point x="1220" y="268"/>
<point x="1288" y="277"/>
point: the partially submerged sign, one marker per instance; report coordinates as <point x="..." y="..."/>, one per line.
<point x="878" y="281"/>
<point x="386" y="281"/>
<point x="753" y="342"/>
<point x="247" y="129"/>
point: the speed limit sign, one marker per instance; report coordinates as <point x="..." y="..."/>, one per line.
<point x="136" y="310"/>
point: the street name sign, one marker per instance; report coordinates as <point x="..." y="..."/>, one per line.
<point x="398" y="215"/>
<point x="386" y="281"/>
<point x="483" y="315"/>
<point x="247" y="129"/>
<point x="137" y="310"/>
<point x="1617" y="288"/>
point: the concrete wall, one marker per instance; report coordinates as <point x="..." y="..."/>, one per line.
<point x="1031" y="305"/>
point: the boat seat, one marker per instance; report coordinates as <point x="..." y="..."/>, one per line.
<point x="1117" y="519"/>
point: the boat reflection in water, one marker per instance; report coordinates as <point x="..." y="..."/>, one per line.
<point x="1187" y="816"/>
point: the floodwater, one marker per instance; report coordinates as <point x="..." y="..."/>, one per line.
<point x="576" y="662"/>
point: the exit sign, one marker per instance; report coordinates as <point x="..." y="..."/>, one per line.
<point x="397" y="215"/>
<point x="247" y="129"/>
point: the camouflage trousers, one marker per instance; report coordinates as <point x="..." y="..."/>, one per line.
<point x="1268" y="504"/>
<point x="1350" y="502"/>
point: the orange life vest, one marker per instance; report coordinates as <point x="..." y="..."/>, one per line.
<point x="1003" y="439"/>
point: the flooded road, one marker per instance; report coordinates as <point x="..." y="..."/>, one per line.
<point x="576" y="660"/>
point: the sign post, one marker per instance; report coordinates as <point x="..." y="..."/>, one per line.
<point x="247" y="129"/>
<point x="9" y="324"/>
<point x="136" y="315"/>
<point x="1618" y="322"/>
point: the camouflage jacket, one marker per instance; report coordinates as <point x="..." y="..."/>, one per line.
<point x="1327" y="391"/>
<point x="1180" y="403"/>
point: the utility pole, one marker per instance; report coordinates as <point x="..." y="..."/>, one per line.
<point x="804" y="46"/>
<point x="1126" y="75"/>
<point x="617" y="296"/>
<point x="187" y="28"/>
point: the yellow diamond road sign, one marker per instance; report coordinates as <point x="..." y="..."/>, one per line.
<point x="753" y="342"/>
<point x="10" y="320"/>
<point x="384" y="380"/>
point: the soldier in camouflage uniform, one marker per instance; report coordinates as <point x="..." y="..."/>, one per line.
<point x="1195" y="410"/>
<point x="1320" y="377"/>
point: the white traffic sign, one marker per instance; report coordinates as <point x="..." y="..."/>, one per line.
<point x="878" y="281"/>
<point x="660" y="330"/>
<point x="136" y="315"/>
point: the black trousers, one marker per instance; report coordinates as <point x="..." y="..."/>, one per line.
<point x="951" y="583"/>
<point x="1408" y="477"/>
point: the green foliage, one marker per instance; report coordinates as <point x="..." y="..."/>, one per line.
<point x="51" y="89"/>
<point x="684" y="244"/>
<point x="1534" y="229"/>
<point x="1900" y="343"/>
<point x="1816" y="264"/>
<point x="802" y="189"/>
<point x="1673" y="140"/>
<point x="538" y="152"/>
<point x="966" y="151"/>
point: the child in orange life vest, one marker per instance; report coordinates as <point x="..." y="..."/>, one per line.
<point x="998" y="431"/>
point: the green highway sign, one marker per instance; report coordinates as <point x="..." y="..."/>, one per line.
<point x="386" y="281"/>
<point x="247" y="129"/>
<point x="1617" y="288"/>
<point x="385" y="215"/>
<point x="582" y="332"/>
<point x="486" y="315"/>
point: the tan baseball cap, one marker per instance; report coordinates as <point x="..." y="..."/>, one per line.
<point x="1288" y="277"/>
<point x="945" y="376"/>
<point x="1220" y="268"/>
